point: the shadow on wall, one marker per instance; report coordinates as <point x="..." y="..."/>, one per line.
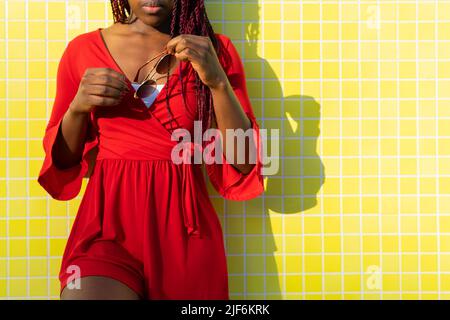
<point x="292" y="190"/>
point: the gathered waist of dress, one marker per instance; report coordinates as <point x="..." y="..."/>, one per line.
<point x="151" y="163"/>
<point x="134" y="150"/>
<point x="137" y="149"/>
<point x="118" y="159"/>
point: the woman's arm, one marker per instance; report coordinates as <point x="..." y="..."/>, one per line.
<point x="98" y="87"/>
<point x="230" y="115"/>
<point x="68" y="148"/>
<point x="232" y="108"/>
<point x="229" y="112"/>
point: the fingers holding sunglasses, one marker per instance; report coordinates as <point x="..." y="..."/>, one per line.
<point x="99" y="95"/>
<point x="107" y="77"/>
<point x="106" y="91"/>
<point x="200" y="52"/>
<point x="189" y="54"/>
<point x="180" y="42"/>
<point x="99" y="87"/>
<point x="108" y="71"/>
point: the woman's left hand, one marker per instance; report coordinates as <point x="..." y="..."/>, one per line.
<point x="200" y="52"/>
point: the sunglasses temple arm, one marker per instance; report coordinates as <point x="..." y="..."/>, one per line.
<point x="154" y="68"/>
<point x="139" y="70"/>
<point x="149" y="75"/>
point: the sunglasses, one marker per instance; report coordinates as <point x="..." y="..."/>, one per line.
<point x="148" y="85"/>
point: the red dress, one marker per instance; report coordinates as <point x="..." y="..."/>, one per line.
<point x="144" y="220"/>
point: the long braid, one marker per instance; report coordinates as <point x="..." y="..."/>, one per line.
<point x="188" y="17"/>
<point x="121" y="11"/>
<point x="173" y="30"/>
<point x="194" y="20"/>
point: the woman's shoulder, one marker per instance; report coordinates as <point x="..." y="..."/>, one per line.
<point x="83" y="39"/>
<point x="224" y="39"/>
<point x="229" y="54"/>
<point x="80" y="52"/>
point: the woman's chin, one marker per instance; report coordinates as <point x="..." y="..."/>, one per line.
<point x="153" y="20"/>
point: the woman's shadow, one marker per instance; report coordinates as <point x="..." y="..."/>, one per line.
<point x="257" y="260"/>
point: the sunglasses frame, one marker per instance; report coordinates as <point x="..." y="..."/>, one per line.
<point x="162" y="55"/>
<point x="143" y="83"/>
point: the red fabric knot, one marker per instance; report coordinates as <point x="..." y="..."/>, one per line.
<point x="190" y="207"/>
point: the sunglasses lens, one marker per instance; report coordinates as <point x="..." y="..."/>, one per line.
<point x="166" y="64"/>
<point x="146" y="89"/>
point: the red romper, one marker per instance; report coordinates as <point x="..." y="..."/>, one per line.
<point x="144" y="220"/>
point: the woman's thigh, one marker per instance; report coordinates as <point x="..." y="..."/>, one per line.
<point x="99" y="288"/>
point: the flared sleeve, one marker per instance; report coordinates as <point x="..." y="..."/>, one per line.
<point x="229" y="182"/>
<point x="65" y="184"/>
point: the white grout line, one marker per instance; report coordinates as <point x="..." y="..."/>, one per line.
<point x="8" y="243"/>
<point x="264" y="236"/>
<point x="322" y="216"/>
<point x="438" y="208"/>
<point x="261" y="22"/>
<point x="301" y="157"/>
<point x="361" y="260"/>
<point x="282" y="122"/>
<point x="341" y="207"/>
<point x="418" y="132"/>
<point x="398" y="180"/>
<point x="27" y="172"/>
<point x="380" y="202"/>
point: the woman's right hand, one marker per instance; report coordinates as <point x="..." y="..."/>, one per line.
<point x="99" y="87"/>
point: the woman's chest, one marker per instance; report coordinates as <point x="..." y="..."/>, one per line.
<point x="174" y="107"/>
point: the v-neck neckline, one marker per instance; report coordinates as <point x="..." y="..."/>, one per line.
<point x="163" y="91"/>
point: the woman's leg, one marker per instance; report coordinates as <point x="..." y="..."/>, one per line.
<point x="99" y="288"/>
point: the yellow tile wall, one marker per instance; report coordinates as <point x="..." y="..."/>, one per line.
<point x="360" y="93"/>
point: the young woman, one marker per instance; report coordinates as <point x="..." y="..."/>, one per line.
<point x="145" y="227"/>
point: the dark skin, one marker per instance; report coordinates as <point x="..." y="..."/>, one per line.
<point x="131" y="45"/>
